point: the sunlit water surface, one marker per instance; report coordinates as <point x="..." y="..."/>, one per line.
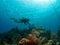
<point x="40" y="12"/>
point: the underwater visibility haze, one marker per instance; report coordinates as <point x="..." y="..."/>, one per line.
<point x="29" y="22"/>
<point x="44" y="13"/>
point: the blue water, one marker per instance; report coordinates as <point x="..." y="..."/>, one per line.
<point x="46" y="15"/>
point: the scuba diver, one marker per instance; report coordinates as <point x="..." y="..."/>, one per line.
<point x="22" y="20"/>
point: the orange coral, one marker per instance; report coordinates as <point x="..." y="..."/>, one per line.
<point x="31" y="40"/>
<point x="23" y="41"/>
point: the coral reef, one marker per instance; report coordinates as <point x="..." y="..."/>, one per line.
<point x="32" y="39"/>
<point x="17" y="36"/>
